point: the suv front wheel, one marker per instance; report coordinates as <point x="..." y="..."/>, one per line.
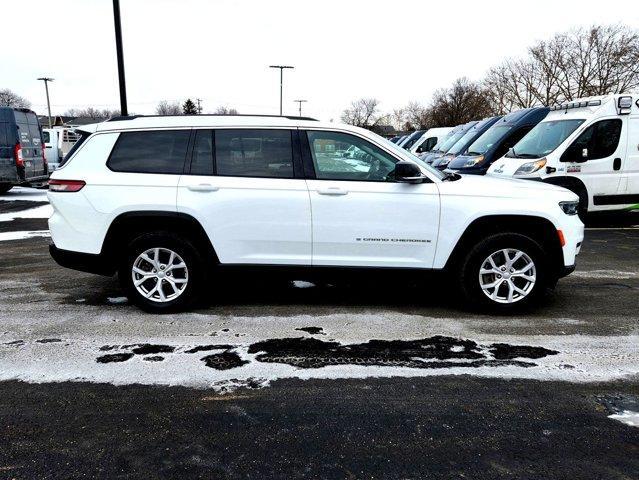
<point x="161" y="272"/>
<point x="504" y="272"/>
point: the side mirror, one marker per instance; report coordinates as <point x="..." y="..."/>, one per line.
<point x="407" y="172"/>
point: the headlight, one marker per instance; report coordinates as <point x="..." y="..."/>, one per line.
<point x="531" y="167"/>
<point x="570" y="208"/>
<point x="471" y="162"/>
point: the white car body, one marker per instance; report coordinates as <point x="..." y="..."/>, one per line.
<point x="610" y="182"/>
<point x="60" y="141"/>
<point x="297" y="221"/>
<point x="432" y="135"/>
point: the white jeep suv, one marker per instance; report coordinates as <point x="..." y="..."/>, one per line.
<point x="167" y="202"/>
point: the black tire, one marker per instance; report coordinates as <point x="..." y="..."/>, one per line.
<point x="182" y="247"/>
<point x="470" y="265"/>
<point x="5" y="188"/>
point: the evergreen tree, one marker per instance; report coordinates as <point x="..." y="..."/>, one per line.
<point x="189" y="107"/>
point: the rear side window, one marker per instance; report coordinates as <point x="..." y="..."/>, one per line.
<point x="159" y="151"/>
<point x="254" y="153"/>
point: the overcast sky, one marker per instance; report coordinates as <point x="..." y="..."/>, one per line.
<point x="219" y="50"/>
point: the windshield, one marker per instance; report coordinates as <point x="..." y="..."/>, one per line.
<point x="399" y="150"/>
<point x="544" y="138"/>
<point x="463" y="141"/>
<point x="450" y="141"/>
<point x="488" y="139"/>
<point x="413" y="138"/>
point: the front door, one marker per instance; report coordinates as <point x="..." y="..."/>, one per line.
<point x="600" y="150"/>
<point x="360" y="215"/>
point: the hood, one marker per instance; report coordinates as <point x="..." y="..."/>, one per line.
<point x="490" y="186"/>
<point x="459" y="162"/>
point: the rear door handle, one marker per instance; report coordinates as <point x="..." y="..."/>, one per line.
<point x="332" y="191"/>
<point x="203" y="187"/>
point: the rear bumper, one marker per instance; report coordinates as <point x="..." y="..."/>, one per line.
<point x="565" y="271"/>
<point x="84" y="262"/>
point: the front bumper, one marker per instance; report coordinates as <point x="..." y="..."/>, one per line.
<point x="84" y="262"/>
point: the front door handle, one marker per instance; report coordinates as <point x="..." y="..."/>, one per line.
<point x="332" y="191"/>
<point x="203" y="187"/>
<point x="616" y="164"/>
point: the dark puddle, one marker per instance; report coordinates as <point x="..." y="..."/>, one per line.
<point x="15" y="342"/>
<point x="153" y="358"/>
<point x="618" y="403"/>
<point x="312" y="330"/>
<point x="49" y="340"/>
<point x="208" y="348"/>
<point x="149" y="349"/>
<point x="12" y="206"/>
<point x="433" y="352"/>
<point x="114" y="358"/>
<point x="224" y="361"/>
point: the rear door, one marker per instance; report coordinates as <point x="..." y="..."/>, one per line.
<point x="245" y="187"/>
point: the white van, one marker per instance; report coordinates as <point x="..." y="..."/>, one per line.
<point x="589" y="146"/>
<point x="429" y="139"/>
<point x="57" y="142"/>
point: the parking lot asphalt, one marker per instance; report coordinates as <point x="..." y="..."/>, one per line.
<point x="290" y="379"/>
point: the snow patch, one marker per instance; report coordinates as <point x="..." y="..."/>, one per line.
<point x="628" y="417"/>
<point x="117" y="300"/>
<point x="616" y="274"/>
<point x="7" y="236"/>
<point x="302" y="284"/>
<point x="43" y="211"/>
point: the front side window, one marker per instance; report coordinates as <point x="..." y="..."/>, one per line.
<point x="599" y="140"/>
<point x="333" y="158"/>
<point x="254" y="153"/>
<point x="158" y="151"/>
<point x="427" y="145"/>
<point x="46" y="137"/>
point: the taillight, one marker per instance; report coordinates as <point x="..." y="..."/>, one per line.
<point x="17" y="154"/>
<point x="66" y="185"/>
<point x="44" y="161"/>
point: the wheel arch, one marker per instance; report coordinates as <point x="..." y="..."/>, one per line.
<point x="126" y="226"/>
<point x="573" y="184"/>
<point x="538" y="228"/>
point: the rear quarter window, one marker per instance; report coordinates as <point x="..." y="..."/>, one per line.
<point x="158" y="151"/>
<point x="4" y="137"/>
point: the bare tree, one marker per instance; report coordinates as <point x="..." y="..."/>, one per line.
<point x="580" y="63"/>
<point x="12" y="99"/>
<point x="364" y="113"/>
<point x="461" y="103"/>
<point x="168" y="108"/>
<point x="226" y="111"/>
<point x="90" y="112"/>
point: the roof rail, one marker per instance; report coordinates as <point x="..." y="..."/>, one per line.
<point x="132" y="117"/>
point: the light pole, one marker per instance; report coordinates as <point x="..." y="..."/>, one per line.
<point x="300" y="103"/>
<point x="281" y="67"/>
<point x="46" y="81"/>
<point x="118" y="48"/>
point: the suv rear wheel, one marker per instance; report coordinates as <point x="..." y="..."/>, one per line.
<point x="504" y="272"/>
<point x="161" y="272"/>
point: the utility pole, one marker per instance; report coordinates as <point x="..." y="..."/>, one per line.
<point x="300" y="103"/>
<point x="199" y="105"/>
<point x="118" y="48"/>
<point x="281" y="67"/>
<point x="46" y="81"/>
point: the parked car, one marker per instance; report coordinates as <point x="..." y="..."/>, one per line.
<point x="460" y="147"/>
<point x="496" y="141"/>
<point x="171" y="202"/>
<point x="22" y="160"/>
<point x="57" y="142"/>
<point x="439" y="151"/>
<point x="411" y="139"/>
<point x="589" y="146"/>
<point x="429" y="139"/>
